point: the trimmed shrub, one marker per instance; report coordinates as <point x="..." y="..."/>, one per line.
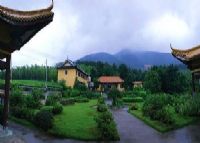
<point x="74" y="93"/>
<point x="107" y="126"/>
<point x="133" y="106"/>
<point x="114" y="94"/>
<point x="32" y="102"/>
<point x="132" y="99"/>
<point x="57" y="108"/>
<point x="17" y="98"/>
<point x="44" y="120"/>
<point x="101" y="108"/>
<point x="67" y="101"/>
<point x="37" y="94"/>
<point x="47" y="108"/>
<point x="82" y="100"/>
<point x="90" y="94"/>
<point x="101" y="100"/>
<point x="23" y="113"/>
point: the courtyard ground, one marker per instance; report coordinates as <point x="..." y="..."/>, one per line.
<point x="130" y="129"/>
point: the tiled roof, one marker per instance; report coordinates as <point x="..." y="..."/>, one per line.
<point x="26" y="17"/>
<point x="70" y="64"/>
<point x="110" y="79"/>
<point x="186" y="55"/>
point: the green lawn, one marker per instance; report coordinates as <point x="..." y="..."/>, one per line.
<point x="77" y="121"/>
<point x="33" y="83"/>
<point x="180" y="121"/>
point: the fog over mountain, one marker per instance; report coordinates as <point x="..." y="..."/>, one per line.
<point x="134" y="59"/>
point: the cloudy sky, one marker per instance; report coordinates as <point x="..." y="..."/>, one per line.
<point x="81" y="27"/>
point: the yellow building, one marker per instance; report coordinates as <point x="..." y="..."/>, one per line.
<point x="70" y="72"/>
<point x="108" y="82"/>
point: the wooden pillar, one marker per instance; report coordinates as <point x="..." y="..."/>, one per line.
<point x="193" y="84"/>
<point x="7" y="92"/>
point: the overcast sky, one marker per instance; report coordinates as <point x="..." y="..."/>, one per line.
<point x="81" y="27"/>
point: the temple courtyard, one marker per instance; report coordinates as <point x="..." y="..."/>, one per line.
<point x="130" y="129"/>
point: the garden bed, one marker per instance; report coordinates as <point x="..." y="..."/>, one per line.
<point x="180" y="121"/>
<point x="77" y="122"/>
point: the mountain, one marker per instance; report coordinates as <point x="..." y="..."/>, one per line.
<point x="103" y="57"/>
<point x="134" y="59"/>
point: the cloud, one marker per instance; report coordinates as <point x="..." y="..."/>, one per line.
<point x="82" y="27"/>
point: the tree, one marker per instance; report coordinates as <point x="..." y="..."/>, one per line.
<point x="152" y="81"/>
<point x="114" y="94"/>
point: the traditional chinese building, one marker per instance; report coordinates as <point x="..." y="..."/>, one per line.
<point x="108" y="82"/>
<point x="70" y="72"/>
<point x="191" y="58"/>
<point x="137" y="84"/>
<point x="16" y="29"/>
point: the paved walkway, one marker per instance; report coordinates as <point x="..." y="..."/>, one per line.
<point x="22" y="134"/>
<point x="132" y="130"/>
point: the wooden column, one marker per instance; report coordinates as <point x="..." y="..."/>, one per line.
<point x="7" y="92"/>
<point x="193" y="84"/>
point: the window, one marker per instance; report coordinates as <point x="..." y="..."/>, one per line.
<point x="65" y="72"/>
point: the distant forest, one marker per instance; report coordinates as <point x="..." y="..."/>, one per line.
<point x="166" y="74"/>
<point x="33" y="72"/>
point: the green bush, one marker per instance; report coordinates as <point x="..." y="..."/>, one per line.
<point x="91" y="94"/>
<point x="37" y="94"/>
<point x="101" y="108"/>
<point x="133" y="106"/>
<point x="158" y="107"/>
<point x="114" y="94"/>
<point x="67" y="101"/>
<point x="74" y="93"/>
<point x="17" y="98"/>
<point x="23" y="113"/>
<point x="109" y="131"/>
<point x="101" y="100"/>
<point x="188" y="105"/>
<point x="107" y="126"/>
<point x="44" y="120"/>
<point x="82" y="100"/>
<point x="32" y="102"/>
<point x="47" y="108"/>
<point x="50" y="101"/>
<point x="57" y="108"/>
<point x="53" y="98"/>
<point x="132" y="99"/>
<point x="80" y="86"/>
<point x="1" y="114"/>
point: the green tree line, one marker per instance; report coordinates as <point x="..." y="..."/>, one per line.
<point x="97" y="69"/>
<point x="33" y="72"/>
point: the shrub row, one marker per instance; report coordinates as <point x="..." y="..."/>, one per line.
<point x="132" y="99"/>
<point x="105" y="122"/>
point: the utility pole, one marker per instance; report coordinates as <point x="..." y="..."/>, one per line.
<point x="46" y="76"/>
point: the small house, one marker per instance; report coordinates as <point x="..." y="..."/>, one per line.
<point x="137" y="84"/>
<point x="108" y="82"/>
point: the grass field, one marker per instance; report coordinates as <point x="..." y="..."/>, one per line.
<point x="77" y="122"/>
<point x="180" y="121"/>
<point x="33" y="83"/>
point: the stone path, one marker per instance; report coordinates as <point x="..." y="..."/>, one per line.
<point x="132" y="130"/>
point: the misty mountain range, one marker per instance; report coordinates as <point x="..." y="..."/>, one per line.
<point x="133" y="59"/>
